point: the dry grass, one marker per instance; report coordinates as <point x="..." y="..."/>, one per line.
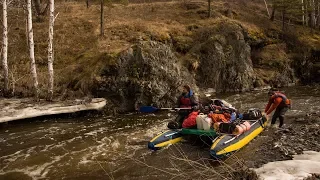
<point x="185" y="167"/>
<point x="81" y="54"/>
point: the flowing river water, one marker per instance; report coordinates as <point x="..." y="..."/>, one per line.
<point x="102" y="147"/>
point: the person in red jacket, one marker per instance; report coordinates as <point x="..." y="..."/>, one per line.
<point x="186" y="100"/>
<point x="279" y="102"/>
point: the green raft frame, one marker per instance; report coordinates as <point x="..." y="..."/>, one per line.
<point x="170" y="137"/>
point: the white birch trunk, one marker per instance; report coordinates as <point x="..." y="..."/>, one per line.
<point x="31" y="49"/>
<point x="265" y="3"/>
<point x="5" y="48"/>
<point x="50" y="50"/>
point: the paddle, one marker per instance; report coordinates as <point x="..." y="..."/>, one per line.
<point x="150" y="109"/>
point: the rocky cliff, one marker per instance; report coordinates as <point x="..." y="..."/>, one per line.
<point x="147" y="73"/>
<point x="150" y="72"/>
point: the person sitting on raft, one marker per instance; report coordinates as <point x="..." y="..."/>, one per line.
<point x="187" y="99"/>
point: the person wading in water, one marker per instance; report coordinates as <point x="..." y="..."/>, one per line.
<point x="279" y="102"/>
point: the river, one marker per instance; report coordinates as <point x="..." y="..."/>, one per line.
<point x="104" y="147"/>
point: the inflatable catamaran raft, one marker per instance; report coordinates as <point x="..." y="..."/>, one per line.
<point x="223" y="143"/>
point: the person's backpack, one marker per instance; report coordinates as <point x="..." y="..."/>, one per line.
<point x="252" y="114"/>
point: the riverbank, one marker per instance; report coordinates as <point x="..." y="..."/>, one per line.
<point x="24" y="108"/>
<point x="300" y="134"/>
<point x="151" y="48"/>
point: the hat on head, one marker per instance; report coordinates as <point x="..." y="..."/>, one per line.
<point x="187" y="87"/>
<point x="272" y="91"/>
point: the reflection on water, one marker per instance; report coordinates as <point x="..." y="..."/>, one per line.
<point x="109" y="147"/>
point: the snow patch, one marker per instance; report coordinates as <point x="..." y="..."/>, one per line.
<point x="300" y="167"/>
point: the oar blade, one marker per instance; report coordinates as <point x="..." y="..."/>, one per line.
<point x="148" y="109"/>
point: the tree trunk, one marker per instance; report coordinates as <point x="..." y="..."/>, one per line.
<point x="50" y="50"/>
<point x="102" y="21"/>
<point x="87" y="2"/>
<point x="265" y="3"/>
<point x="313" y="14"/>
<point x="273" y="12"/>
<point x="318" y="16"/>
<point x="306" y="12"/>
<point x="31" y="50"/>
<point x="283" y="19"/>
<point x="5" y="49"/>
<point x="37" y="5"/>
<point x="209" y="8"/>
<point x="303" y="13"/>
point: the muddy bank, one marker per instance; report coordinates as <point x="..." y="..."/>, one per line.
<point x="300" y="134"/>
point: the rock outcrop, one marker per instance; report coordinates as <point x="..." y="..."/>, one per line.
<point x="147" y="73"/>
<point x="225" y="62"/>
<point x="150" y="72"/>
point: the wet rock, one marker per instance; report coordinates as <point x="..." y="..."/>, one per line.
<point x="148" y="73"/>
<point x="225" y="62"/>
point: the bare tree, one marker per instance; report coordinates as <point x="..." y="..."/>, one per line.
<point x="313" y="14"/>
<point x="303" y="13"/>
<point x="209" y="8"/>
<point x="266" y="4"/>
<point x="318" y="14"/>
<point x="274" y="7"/>
<point x="31" y="49"/>
<point x="50" y="50"/>
<point x="283" y="13"/>
<point x="102" y="18"/>
<point x="38" y="7"/>
<point x="5" y="48"/>
<point x="306" y="12"/>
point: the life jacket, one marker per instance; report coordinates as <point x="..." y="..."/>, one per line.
<point x="185" y="102"/>
<point x="285" y="101"/>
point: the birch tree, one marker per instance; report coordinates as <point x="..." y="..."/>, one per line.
<point x="266" y="4"/>
<point x="50" y="50"/>
<point x="5" y="48"/>
<point x="31" y="49"/>
<point x="303" y="13"/>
